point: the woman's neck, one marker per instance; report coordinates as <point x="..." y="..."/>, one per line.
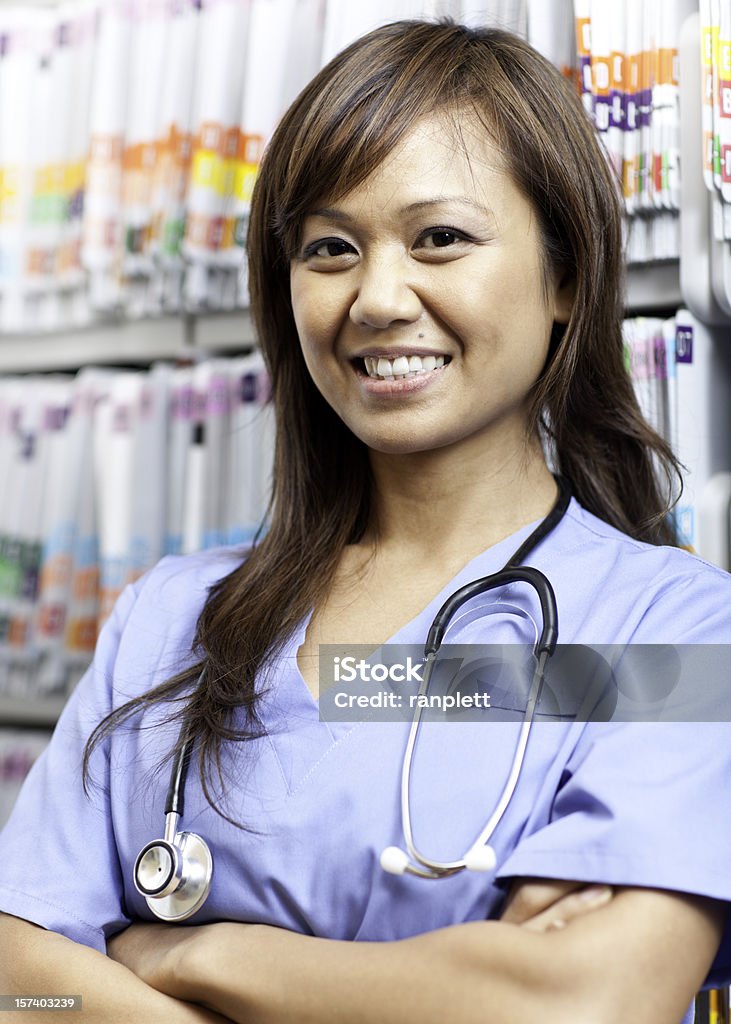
<point x="437" y="506"/>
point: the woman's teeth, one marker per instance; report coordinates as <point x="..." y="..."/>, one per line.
<point x="402" y="366"/>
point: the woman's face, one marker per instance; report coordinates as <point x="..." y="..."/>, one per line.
<point x="420" y="297"/>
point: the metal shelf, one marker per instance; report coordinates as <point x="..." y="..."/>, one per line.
<point x="652" y="286"/>
<point x="126" y="342"/>
<point x="42" y="712"/>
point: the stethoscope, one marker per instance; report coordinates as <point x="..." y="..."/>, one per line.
<point x="174" y="873"/>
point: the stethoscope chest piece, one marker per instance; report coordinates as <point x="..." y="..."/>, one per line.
<point x="174" y="876"/>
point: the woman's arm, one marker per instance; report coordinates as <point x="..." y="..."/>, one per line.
<point x="638" y="959"/>
<point x="38" y="962"/>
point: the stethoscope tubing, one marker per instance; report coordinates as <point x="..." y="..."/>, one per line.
<point x="512" y="572"/>
<point x="440" y="869"/>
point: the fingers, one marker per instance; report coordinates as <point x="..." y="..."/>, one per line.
<point x="568" y="908"/>
<point x="528" y="899"/>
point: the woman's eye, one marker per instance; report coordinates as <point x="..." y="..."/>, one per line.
<point x="440" y="238"/>
<point x="328" y="248"/>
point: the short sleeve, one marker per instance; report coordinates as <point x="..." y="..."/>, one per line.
<point x="57" y="833"/>
<point x="641" y="804"/>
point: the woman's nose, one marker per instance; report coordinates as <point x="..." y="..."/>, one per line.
<point x="385" y="295"/>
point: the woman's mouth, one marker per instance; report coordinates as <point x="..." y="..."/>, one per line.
<point x="401" y="367"/>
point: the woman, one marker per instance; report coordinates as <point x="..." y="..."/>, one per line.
<point x="435" y="277"/>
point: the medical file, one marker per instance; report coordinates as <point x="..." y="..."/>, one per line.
<point x="103" y="474"/>
<point x="19" y="749"/>
<point x="628" y="59"/>
<point x="132" y="197"/>
<point x="174" y="145"/>
<point x="102" y="250"/>
<point x="681" y="372"/>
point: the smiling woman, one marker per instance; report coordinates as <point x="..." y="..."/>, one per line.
<point x="435" y="270"/>
<point x="437" y="255"/>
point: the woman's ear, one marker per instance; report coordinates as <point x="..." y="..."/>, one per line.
<point x="564" y="297"/>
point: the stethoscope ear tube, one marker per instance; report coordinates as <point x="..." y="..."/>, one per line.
<point x="175" y="799"/>
<point x="546" y="642"/>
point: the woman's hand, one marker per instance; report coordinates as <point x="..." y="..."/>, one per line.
<point x="154" y="952"/>
<point x="543" y="905"/>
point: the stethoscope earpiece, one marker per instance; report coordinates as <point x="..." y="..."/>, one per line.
<point x="396" y="861"/>
<point x="480" y="859"/>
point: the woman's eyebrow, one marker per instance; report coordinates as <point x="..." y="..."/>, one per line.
<point x="329" y="213"/>
<point x="333" y="213"/>
<point x="423" y="204"/>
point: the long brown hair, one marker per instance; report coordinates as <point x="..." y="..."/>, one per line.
<point x="340" y="128"/>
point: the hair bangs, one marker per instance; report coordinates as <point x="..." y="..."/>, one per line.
<point x="358" y="109"/>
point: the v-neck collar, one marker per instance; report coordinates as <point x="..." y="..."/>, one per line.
<point x="301" y="741"/>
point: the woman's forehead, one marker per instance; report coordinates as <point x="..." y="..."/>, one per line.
<point x="443" y="156"/>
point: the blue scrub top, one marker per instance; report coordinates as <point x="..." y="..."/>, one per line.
<point x="642" y="804"/>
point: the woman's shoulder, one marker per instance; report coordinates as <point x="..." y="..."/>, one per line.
<point x="162" y="607"/>
<point x="192" y="575"/>
<point x="657" y="592"/>
<point x="636" y="555"/>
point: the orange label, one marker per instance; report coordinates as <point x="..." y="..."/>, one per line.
<point x="81" y="635"/>
<point x="583" y="36"/>
<point x="634" y="72"/>
<point x="140" y="157"/>
<point x="617" y="71"/>
<point x="667" y="66"/>
<point x="250" y="148"/>
<point x="600" y="75"/>
<point x="56" y="572"/>
<point x="18" y="632"/>
<point x="85" y="584"/>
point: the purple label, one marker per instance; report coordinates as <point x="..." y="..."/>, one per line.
<point x="602" y="112"/>
<point x="218" y="396"/>
<point x="645" y="111"/>
<point x="248" y="387"/>
<point x="54" y="418"/>
<point x="631" y="112"/>
<point x="183" y="403"/>
<point x="616" y="109"/>
<point x="121" y="419"/>
<point x="684" y="345"/>
<point x="661" y="366"/>
<point x="585" y="73"/>
<point x="264" y="395"/>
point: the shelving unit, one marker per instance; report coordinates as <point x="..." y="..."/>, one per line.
<point x="124" y="342"/>
<point x="127" y="342"/>
<point x="18" y="711"/>
<point x="653" y="286"/>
